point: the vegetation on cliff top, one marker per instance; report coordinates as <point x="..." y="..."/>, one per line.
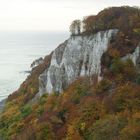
<point x="126" y="19"/>
<point x="87" y="110"/>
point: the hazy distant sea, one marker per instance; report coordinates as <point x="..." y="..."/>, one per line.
<point x="18" y="50"/>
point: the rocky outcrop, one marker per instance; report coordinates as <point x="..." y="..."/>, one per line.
<point x="36" y="62"/>
<point x="134" y="57"/>
<point x="76" y="57"/>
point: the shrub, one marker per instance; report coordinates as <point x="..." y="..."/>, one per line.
<point x="45" y="132"/>
<point x="117" y="66"/>
<point x="26" y="111"/>
<point x="80" y="90"/>
<point x="132" y="130"/>
<point x="127" y="97"/>
<point x="106" y="129"/>
<point x="103" y="86"/>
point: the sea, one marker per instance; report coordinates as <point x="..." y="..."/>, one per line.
<point x="18" y="50"/>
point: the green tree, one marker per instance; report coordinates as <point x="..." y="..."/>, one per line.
<point x="75" y="27"/>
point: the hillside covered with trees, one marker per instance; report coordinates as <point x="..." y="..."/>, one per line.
<point x="123" y="18"/>
<point x="88" y="109"/>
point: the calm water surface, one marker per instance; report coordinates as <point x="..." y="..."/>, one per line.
<point x="18" y="50"/>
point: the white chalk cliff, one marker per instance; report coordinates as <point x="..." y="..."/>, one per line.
<point x="134" y="56"/>
<point x="78" y="56"/>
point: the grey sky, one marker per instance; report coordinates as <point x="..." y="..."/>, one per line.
<point x="50" y="15"/>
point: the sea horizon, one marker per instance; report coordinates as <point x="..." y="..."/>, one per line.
<point x="18" y="49"/>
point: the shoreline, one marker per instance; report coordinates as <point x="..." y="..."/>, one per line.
<point x="2" y="103"/>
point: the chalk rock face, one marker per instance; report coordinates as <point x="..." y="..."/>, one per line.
<point x="78" y="56"/>
<point x="135" y="56"/>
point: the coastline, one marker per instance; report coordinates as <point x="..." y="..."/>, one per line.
<point x="2" y="103"/>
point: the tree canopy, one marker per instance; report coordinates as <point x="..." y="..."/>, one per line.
<point x="88" y="109"/>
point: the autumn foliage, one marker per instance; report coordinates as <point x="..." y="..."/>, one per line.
<point x="87" y="110"/>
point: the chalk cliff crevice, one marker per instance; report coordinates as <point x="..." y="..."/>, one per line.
<point x="78" y="56"/>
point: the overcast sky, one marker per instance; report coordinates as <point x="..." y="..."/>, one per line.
<point x="50" y="15"/>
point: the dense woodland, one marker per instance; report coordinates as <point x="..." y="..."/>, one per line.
<point x="87" y="109"/>
<point x="126" y="19"/>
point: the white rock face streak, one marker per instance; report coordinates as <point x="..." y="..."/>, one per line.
<point x="134" y="56"/>
<point x="78" y="56"/>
